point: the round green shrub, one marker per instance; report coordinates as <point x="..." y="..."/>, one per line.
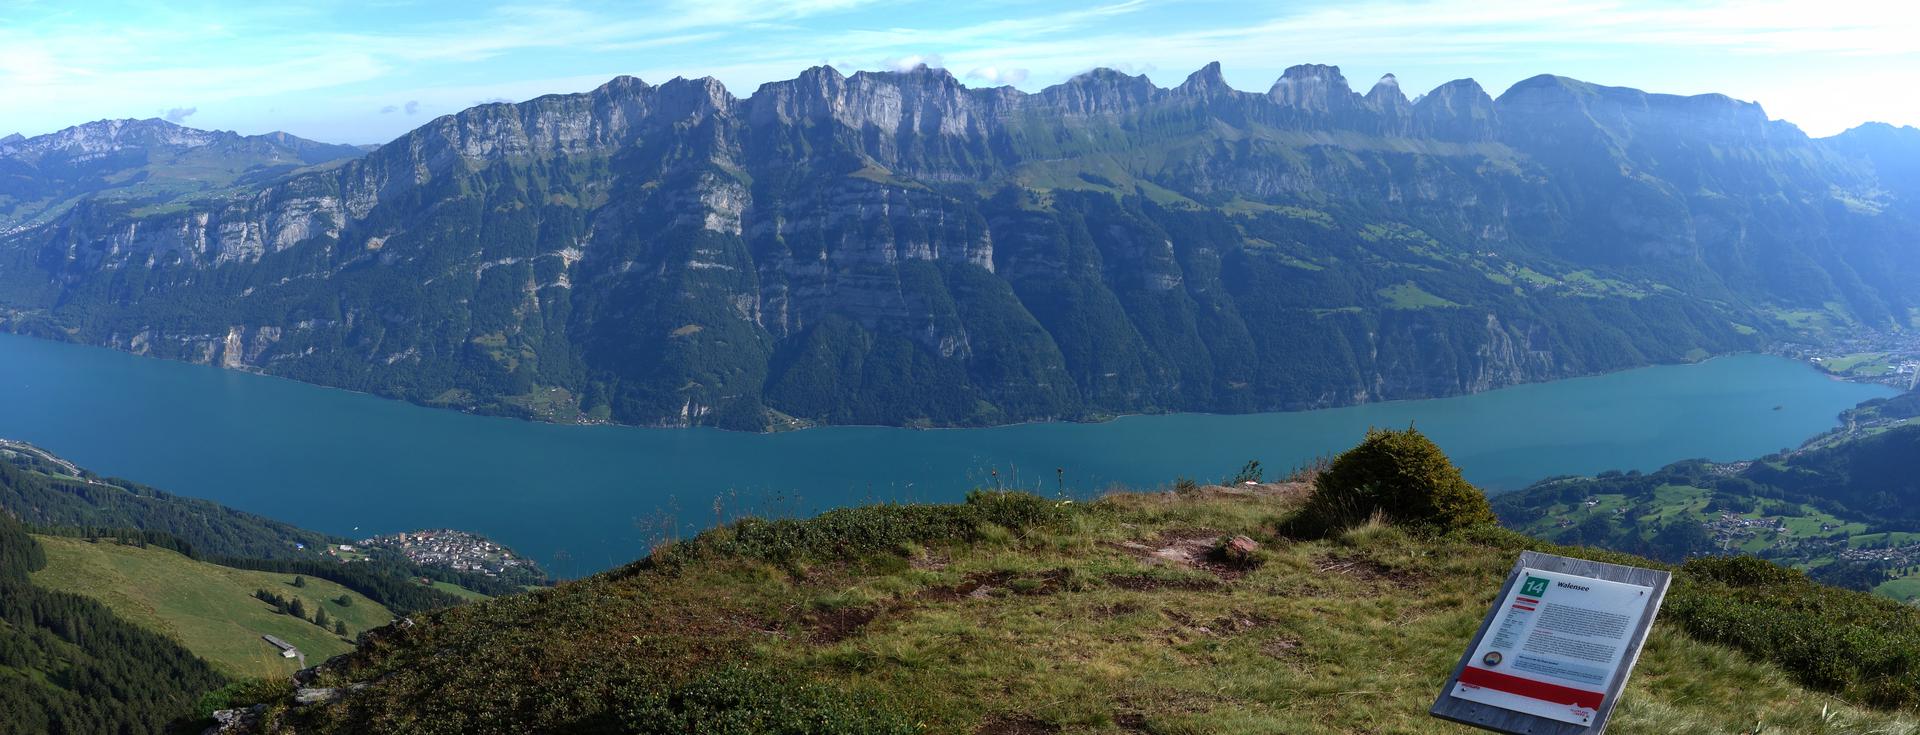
<point x="1403" y="477"/>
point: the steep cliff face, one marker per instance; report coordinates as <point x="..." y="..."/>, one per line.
<point x="898" y="248"/>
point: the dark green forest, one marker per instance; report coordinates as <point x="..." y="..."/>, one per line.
<point x="68" y="666"/>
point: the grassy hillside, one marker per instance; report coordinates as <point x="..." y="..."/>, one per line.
<point x="1012" y="614"/>
<point x="69" y="666"/>
<point x="209" y="609"/>
<point x="52" y="494"/>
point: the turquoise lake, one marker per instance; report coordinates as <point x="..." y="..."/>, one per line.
<point x="358" y="465"/>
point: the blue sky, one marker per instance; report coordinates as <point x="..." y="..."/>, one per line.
<point x="364" y="72"/>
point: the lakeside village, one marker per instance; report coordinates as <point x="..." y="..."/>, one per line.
<point x="446" y="548"/>
<point x="1888" y="358"/>
<point x="1732" y="530"/>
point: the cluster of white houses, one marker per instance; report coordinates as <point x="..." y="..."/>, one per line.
<point x="457" y="550"/>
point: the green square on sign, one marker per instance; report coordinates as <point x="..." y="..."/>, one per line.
<point x="1534" y="587"/>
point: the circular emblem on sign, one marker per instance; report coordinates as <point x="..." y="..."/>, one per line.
<point x="1491" y="659"/>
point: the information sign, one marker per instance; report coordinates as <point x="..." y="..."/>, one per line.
<point x="1555" y="651"/>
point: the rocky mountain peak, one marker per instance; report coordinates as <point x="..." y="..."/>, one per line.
<point x="1457" y="110"/>
<point x="816" y="93"/>
<point x="1880" y="130"/>
<point x="622" y="87"/>
<point x="919" y="74"/>
<point x="1894" y="153"/>
<point x="1101" y="90"/>
<point x="1622" y="110"/>
<point x="1207" y="82"/>
<point x="1387" y="97"/>
<point x="12" y="138"/>
<point x="1312" y="88"/>
<point x="705" y="95"/>
<point x="101" y="137"/>
<point x="924" y="98"/>
<point x="921" y="85"/>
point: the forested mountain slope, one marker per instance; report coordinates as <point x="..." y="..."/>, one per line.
<point x="1846" y="508"/>
<point x="54" y="496"/>
<point x="898" y="248"/>
<point x="68" y="666"/>
<point x="36" y="489"/>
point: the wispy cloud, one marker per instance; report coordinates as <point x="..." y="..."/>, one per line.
<point x="913" y="61"/>
<point x="179" y="115"/>
<point x="998" y="75"/>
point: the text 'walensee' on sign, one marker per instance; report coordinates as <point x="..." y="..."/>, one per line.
<point x="1554" y="652"/>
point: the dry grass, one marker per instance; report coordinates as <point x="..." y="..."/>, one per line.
<point x="1107" y="624"/>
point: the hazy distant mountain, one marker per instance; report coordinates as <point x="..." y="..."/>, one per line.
<point x="899" y="248"/>
<point x="151" y="162"/>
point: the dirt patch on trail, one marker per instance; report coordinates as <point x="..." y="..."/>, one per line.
<point x="931" y="561"/>
<point x="1151" y="583"/>
<point x="1240" y="622"/>
<point x="1192" y="548"/>
<point x="1002" y="725"/>
<point x="1376" y="575"/>
<point x="1178" y="546"/>
<point x="981" y="585"/>
<point x="1283" y="648"/>
<point x="1221" y="627"/>
<point x="976" y="585"/>
<point x="833" y="626"/>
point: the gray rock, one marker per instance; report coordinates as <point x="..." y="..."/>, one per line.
<point x="315" y="695"/>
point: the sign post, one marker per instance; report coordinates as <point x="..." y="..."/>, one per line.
<point x="1554" y="652"/>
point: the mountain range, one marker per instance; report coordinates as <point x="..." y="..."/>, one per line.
<point x="152" y="161"/>
<point x="898" y="248"/>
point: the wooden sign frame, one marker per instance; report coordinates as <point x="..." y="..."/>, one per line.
<point x="1489" y="717"/>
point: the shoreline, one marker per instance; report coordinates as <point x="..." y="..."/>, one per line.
<point x="809" y="424"/>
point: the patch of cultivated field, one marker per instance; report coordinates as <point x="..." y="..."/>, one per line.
<point x="208" y="608"/>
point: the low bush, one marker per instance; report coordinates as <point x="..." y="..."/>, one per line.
<point x="1399" y="476"/>
<point x="1862" y="647"/>
<point x="852" y="533"/>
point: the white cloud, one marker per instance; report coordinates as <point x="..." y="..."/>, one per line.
<point x="998" y="75"/>
<point x="913" y="61"/>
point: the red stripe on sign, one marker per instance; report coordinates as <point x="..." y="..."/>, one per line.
<point x="1523" y="607"/>
<point x="1531" y="689"/>
<point x="1526" y="600"/>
